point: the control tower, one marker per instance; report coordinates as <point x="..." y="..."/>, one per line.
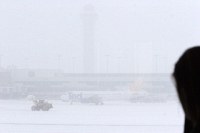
<point x="89" y="18"/>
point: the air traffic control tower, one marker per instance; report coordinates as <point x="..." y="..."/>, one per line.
<point x="89" y="18"/>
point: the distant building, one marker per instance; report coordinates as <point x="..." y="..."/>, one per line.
<point x="19" y="83"/>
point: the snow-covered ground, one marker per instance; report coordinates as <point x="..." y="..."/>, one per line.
<point x="120" y="117"/>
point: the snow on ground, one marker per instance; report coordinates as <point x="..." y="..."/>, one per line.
<point x="16" y="117"/>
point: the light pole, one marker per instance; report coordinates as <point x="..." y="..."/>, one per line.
<point x="0" y="61"/>
<point x="27" y="62"/>
<point x="107" y="63"/>
<point x="74" y="64"/>
<point x="156" y="63"/>
<point x="59" y="61"/>
<point x="119" y="63"/>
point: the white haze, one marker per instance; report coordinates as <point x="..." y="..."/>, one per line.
<point x="130" y="35"/>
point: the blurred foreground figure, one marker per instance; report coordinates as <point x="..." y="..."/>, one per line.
<point x="187" y="81"/>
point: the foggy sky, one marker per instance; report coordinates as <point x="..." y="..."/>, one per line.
<point x="130" y="35"/>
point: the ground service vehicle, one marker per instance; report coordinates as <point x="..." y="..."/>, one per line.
<point x="41" y="105"/>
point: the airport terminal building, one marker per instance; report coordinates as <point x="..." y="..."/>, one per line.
<point x="51" y="84"/>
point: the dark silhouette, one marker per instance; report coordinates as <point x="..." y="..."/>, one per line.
<point x="187" y="81"/>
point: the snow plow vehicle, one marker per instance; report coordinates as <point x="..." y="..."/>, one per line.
<point x="41" y="105"/>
